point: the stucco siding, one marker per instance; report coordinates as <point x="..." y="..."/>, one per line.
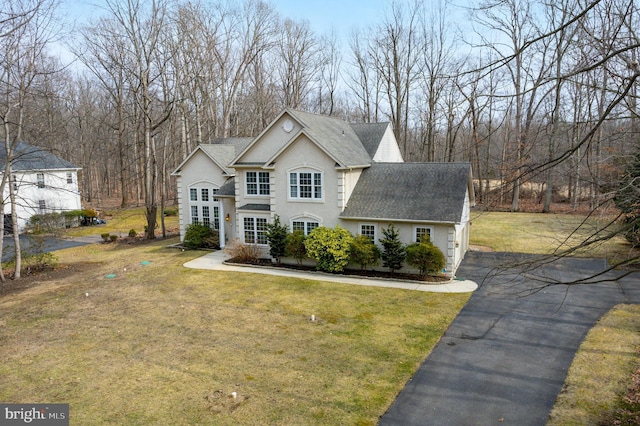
<point x="441" y="237"/>
<point x="199" y="170"/>
<point x="270" y="142"/>
<point x="304" y="155"/>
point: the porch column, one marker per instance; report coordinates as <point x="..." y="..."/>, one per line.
<point x="221" y="220"/>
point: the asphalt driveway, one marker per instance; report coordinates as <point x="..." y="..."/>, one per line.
<point x="505" y="356"/>
<point x="46" y="244"/>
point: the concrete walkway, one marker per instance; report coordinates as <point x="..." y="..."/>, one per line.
<point x="215" y="261"/>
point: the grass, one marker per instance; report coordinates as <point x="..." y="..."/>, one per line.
<point x="162" y="344"/>
<point x="120" y="221"/>
<point x="538" y="233"/>
<point x="600" y="373"/>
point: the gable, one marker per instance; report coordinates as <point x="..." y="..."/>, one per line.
<point x="272" y="140"/>
<point x="200" y="166"/>
<point x="379" y="141"/>
<point x="333" y="136"/>
<point x="428" y="192"/>
<point x="221" y="153"/>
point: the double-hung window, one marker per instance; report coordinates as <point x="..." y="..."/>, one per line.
<point x="368" y="231"/>
<point x="422" y="233"/>
<point x="255" y="230"/>
<point x="305" y="185"/>
<point x="40" y="179"/>
<point x="257" y="183"/>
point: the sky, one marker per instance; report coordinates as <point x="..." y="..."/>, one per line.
<point x="324" y="16"/>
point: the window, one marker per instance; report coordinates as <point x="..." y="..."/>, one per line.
<point x="205" y="216"/>
<point x="368" y="231"/>
<point x="422" y="233"/>
<point x="305" y="185"/>
<point x="40" y="178"/>
<point x="216" y="217"/>
<point x="194" y="215"/>
<point x="306" y="226"/>
<point x="255" y="229"/>
<point x="15" y="183"/>
<point x="42" y="205"/>
<point x="257" y="183"/>
<point x="69" y="177"/>
<point x="204" y="210"/>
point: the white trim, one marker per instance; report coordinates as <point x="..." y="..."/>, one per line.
<point x="414" y="233"/>
<point x="306" y="218"/>
<point x="303" y="168"/>
<point x="375" y="230"/>
<point x="241" y="228"/>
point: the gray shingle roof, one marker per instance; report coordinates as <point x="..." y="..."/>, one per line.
<point x="370" y="134"/>
<point x="31" y="158"/>
<point x="256" y="207"/>
<point x="433" y="192"/>
<point x="224" y="150"/>
<point x="228" y="189"/>
<point x="336" y="136"/>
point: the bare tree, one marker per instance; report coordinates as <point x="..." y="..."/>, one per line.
<point x="26" y="28"/>
<point x="299" y="62"/>
<point x="396" y="49"/>
<point x="143" y="29"/>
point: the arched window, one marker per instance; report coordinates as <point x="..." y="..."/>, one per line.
<point x="203" y="205"/>
<point x="306" y="223"/>
<point x="306" y="184"/>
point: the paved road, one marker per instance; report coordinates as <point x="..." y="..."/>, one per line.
<point x="505" y="356"/>
<point x="30" y="245"/>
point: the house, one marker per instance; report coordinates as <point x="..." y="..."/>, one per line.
<point x="313" y="170"/>
<point x="43" y="183"/>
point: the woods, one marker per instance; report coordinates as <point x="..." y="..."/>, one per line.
<point x="541" y="97"/>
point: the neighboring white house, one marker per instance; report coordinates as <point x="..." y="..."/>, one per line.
<point x="44" y="183"/>
<point x="313" y="170"/>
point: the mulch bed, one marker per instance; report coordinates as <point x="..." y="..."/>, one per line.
<point x="355" y="272"/>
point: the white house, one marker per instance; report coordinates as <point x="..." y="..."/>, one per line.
<point x="44" y="183"/>
<point x="313" y="170"/>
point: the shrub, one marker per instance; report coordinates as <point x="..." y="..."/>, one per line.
<point x="426" y="257"/>
<point x="393" y="253"/>
<point x="329" y="248"/>
<point x="105" y="237"/>
<point x="276" y="237"/>
<point x="201" y="236"/>
<point x="132" y="233"/>
<point x="37" y="262"/>
<point x="171" y="211"/>
<point x="294" y="246"/>
<point x="46" y="223"/>
<point x="364" y="252"/>
<point x="112" y="238"/>
<point x="243" y="253"/>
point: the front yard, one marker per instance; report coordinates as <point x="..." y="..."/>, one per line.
<point x="161" y="344"/>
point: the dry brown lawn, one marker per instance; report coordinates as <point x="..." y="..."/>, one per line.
<point x="163" y="344"/>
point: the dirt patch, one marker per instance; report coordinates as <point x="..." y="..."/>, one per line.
<point x="52" y="278"/>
